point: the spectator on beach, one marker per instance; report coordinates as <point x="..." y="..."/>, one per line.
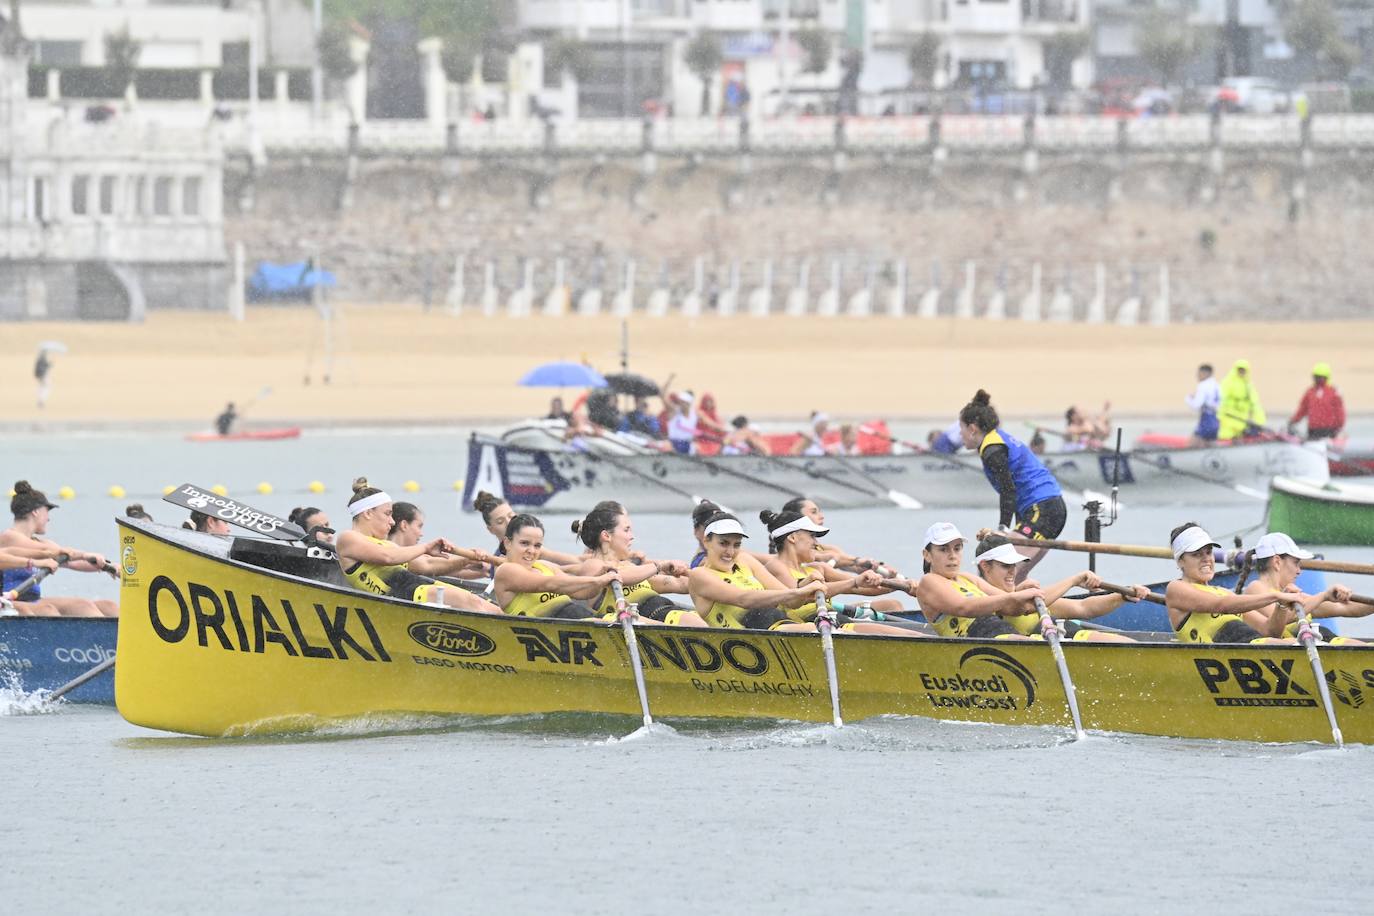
<point x="1241" y="413"/>
<point x="41" y="367"/>
<point x="224" y="423"/>
<point x="1321" y="405"/>
<point x="1206" y="400"/>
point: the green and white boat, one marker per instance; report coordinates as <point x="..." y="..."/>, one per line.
<point x="1322" y="511"/>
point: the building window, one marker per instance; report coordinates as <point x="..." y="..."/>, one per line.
<point x="190" y="196"/>
<point x="81" y="185"/>
<point x="107" y="195"/>
<point x="38" y="200"/>
<point x="162" y="197"/>
<point x="57" y="53"/>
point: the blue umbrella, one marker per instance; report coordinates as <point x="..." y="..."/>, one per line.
<point x="563" y="375"/>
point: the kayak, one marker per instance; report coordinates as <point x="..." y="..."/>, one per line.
<point x="247" y="435"/>
<point x="228" y="647"/>
<point x="43" y="653"/>
<point x="1322" y="512"/>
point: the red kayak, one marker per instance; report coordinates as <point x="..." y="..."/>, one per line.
<point x="279" y="432"/>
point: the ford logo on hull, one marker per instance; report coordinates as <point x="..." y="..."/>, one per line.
<point x="451" y="639"/>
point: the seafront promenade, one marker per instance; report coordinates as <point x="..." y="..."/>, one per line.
<point x="398" y="363"/>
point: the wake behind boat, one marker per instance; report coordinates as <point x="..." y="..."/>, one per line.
<point x="212" y="643"/>
<point x="559" y="480"/>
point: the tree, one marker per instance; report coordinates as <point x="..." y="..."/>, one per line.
<point x="923" y="59"/>
<point x="1310" y="27"/>
<point x="567" y="55"/>
<point x="1061" y="50"/>
<point x="121" y="60"/>
<point x="703" y="57"/>
<point x="1341" y="58"/>
<point x="484" y="18"/>
<point x="336" y="53"/>
<point x="1166" y="42"/>
<point x="459" y="56"/>
<point x="816" y="50"/>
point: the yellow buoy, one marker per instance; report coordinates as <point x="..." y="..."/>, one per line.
<point x="265" y="488"/>
<point x="166" y="491"/>
<point x="458" y="485"/>
<point x="11" y="494"/>
<point x="66" y="493"/>
<point x="315" y="487"/>
<point x="410" y="486"/>
<point x="220" y="489"/>
<point x="116" y="492"/>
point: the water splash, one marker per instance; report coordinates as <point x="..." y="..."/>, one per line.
<point x="16" y="701"/>
<point x="655" y="732"/>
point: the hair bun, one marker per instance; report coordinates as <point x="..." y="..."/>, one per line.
<point x="576" y="525"/>
<point x="982" y="397"/>
<point x="768" y="516"/>
<point x="360" y="484"/>
<point x="21" y="487"/>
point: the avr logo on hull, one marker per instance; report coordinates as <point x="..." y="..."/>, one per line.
<point x="566" y="647"/>
<point x="986" y="678"/>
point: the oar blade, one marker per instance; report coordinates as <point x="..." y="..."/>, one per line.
<point x="904" y="501"/>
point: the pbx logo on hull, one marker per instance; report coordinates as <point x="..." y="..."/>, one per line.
<point x="1246" y="682"/>
<point x="981" y="682"/>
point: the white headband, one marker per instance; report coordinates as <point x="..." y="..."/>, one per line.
<point x="368" y="502"/>
<point x="798" y="524"/>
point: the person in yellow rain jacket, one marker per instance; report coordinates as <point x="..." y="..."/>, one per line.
<point x="1241" y="412"/>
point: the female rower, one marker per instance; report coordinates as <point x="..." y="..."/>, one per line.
<point x="408" y="529"/>
<point x="682" y="421"/>
<point x="496" y="515"/>
<point x="609" y="537"/>
<point x="792" y="540"/>
<point x="527" y="586"/>
<point x="208" y="524"/>
<point x="1205" y="613"/>
<point x="743" y="439"/>
<point x="10" y="605"/>
<point x="960" y="605"/>
<point x="373" y="564"/>
<point x="1279" y="560"/>
<point x="1028" y="490"/>
<point x="997" y="561"/>
<point x="30" y="508"/>
<point x="829" y="552"/>
<point x="309" y="519"/>
<point x="1084" y="432"/>
<point x="732" y="589"/>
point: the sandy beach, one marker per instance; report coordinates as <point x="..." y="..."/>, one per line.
<point x="399" y="364"/>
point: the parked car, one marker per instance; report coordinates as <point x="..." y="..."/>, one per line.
<point x="1256" y="95"/>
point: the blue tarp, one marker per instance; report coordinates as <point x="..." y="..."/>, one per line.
<point x="286" y="282"/>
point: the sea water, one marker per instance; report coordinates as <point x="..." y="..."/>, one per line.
<point x="588" y="814"/>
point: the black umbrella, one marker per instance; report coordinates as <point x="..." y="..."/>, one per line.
<point x="636" y="386"/>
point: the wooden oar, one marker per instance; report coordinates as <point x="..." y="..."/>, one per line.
<point x="80" y="679"/>
<point x="1164" y="553"/>
<point x="1152" y="597"/>
<point x="825" y="621"/>
<point x="1050" y="630"/>
<point x="627" y="623"/>
<point x="1359" y="599"/>
<point x="1309" y="641"/>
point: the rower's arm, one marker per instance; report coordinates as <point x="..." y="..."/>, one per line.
<point x="1184" y="598"/>
<point x="353" y="546"/>
<point x="512" y="578"/>
<point x="559" y="558"/>
<point x="1061" y="588"/>
<point x="938" y="596"/>
<point x="1085" y="608"/>
<point x="705" y="584"/>
<point x="997" y="461"/>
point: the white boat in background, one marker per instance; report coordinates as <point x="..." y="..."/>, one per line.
<point x="554" y="479"/>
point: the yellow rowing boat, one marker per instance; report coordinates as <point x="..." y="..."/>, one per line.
<point x="210" y="645"/>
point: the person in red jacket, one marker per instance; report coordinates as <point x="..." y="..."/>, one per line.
<point x="1321" y="405"/>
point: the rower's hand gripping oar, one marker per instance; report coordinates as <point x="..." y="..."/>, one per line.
<point x="1050" y="630"/>
<point x="14" y="593"/>
<point x="825" y="622"/>
<point x="627" y="623"/>
<point x="1309" y="640"/>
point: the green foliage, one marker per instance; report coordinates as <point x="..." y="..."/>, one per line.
<point x="1362" y="101"/>
<point x="336" y="57"/>
<point x="483" y="18"/>
<point x="923" y="58"/>
<point x="816" y="49"/>
<point x="1166" y="42"/>
<point x="1310" y="27"/>
<point x="459" y="55"/>
<point x="121" y="59"/>
<point x="704" y="55"/>
<point x="567" y="55"/>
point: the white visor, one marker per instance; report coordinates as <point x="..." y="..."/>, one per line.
<point x="725" y="526"/>
<point x="368" y="502"/>
<point x="1190" y="539"/>
<point x="801" y="524"/>
<point x="1002" y="553"/>
<point x="818" y="418"/>
<point x="1276" y="543"/>
<point x="942" y="533"/>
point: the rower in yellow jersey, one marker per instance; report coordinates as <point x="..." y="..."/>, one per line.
<point x="527" y="586"/>
<point x="732" y="589"/>
<point x="1204" y="613"/>
<point x="962" y="605"/>
<point x="1279" y="560"/>
<point x="609" y="537"/>
<point x="371" y="563"/>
